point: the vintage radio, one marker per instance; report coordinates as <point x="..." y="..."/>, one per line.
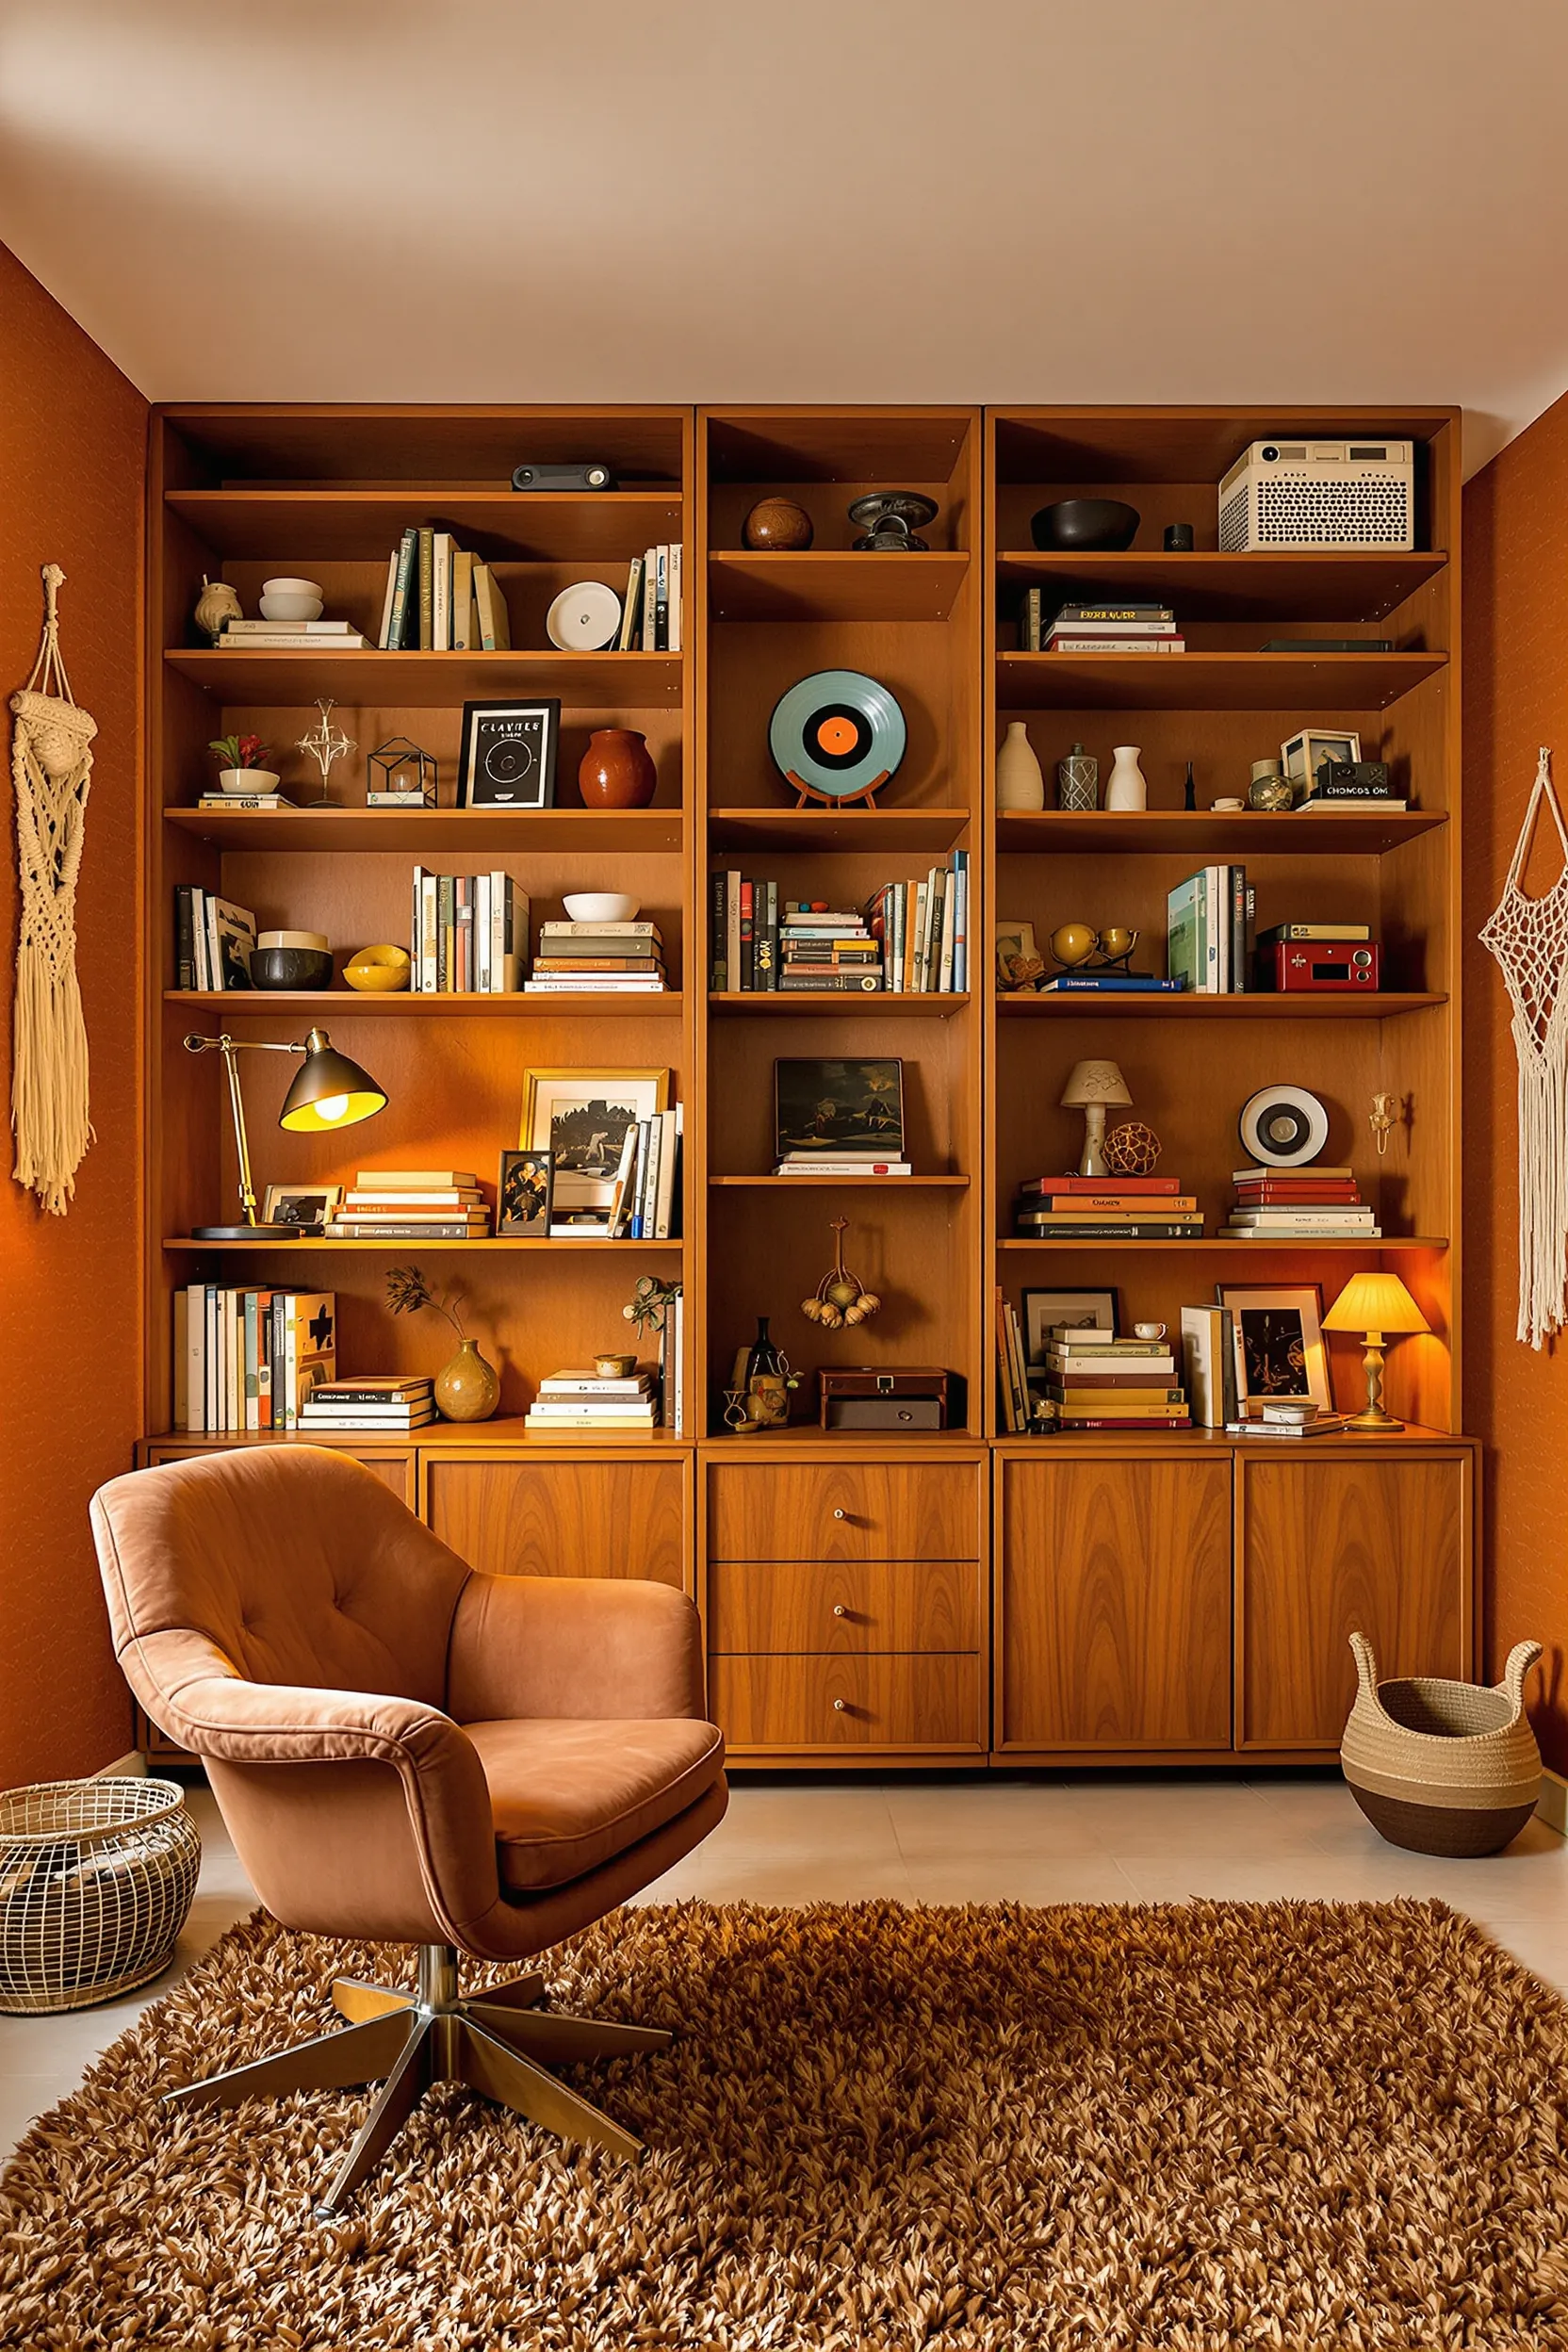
<point x="874" y="1397"/>
<point x="587" y="474"/>
<point x="1305" y="493"/>
<point x="1304" y="966"/>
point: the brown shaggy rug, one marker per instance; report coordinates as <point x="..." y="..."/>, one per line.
<point x="1197" y="2126"/>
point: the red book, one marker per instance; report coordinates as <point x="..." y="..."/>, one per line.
<point x="1300" y="1193"/>
<point x="1132" y="1186"/>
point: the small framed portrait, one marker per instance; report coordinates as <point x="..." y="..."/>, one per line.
<point x="1303" y="754"/>
<point x="1019" y="961"/>
<point x="506" y="756"/>
<point x="838" y="1106"/>
<point x="308" y="1206"/>
<point x="1084" y="1310"/>
<point x="523" y="1196"/>
<point x="1278" y="1344"/>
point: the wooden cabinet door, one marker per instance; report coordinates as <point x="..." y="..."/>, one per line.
<point x="554" y="1518"/>
<point x="844" y="1511"/>
<point x="1329" y="1546"/>
<point x="1114" y="1626"/>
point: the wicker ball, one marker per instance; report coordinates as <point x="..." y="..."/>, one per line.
<point x="1133" y="1149"/>
<point x="96" y="1877"/>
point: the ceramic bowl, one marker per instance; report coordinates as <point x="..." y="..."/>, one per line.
<point x="246" y="780"/>
<point x="599" y="906"/>
<point x="614" y="1367"/>
<point x="1093" y="526"/>
<point x="291" y="966"/>
<point x="282" y="605"/>
<point x="379" y="971"/>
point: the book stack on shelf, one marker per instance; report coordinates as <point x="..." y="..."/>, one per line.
<point x="213" y="940"/>
<point x="1311" y="1203"/>
<point x="291" y="637"/>
<point x="1099" y="627"/>
<point x="634" y="1198"/>
<point x="470" y="934"/>
<point x="1106" y="1208"/>
<point x="596" y="958"/>
<point x="246" y="1359"/>
<point x="1288" y="1416"/>
<point x="1098" y="1382"/>
<point x="1209" y="931"/>
<point x="410" y="1205"/>
<point x="395" y="1405"/>
<point x="583" y="1404"/>
<point x="818" y="946"/>
<point x="910" y="938"/>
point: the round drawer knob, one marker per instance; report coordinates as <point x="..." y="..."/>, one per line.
<point x="840" y="1707"/>
<point x="839" y="1609"/>
<point x="841" y="1515"/>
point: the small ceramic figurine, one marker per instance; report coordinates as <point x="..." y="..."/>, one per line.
<point x="216" y="604"/>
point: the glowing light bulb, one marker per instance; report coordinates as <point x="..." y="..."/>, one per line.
<point x="331" y="1108"/>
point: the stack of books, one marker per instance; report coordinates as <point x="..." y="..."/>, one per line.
<point x="1312" y="1203"/>
<point x="834" y="1160"/>
<point x="1135" y="626"/>
<point x="1288" y="1416"/>
<point x="1209" y="932"/>
<point x="582" y="1404"/>
<point x="470" y="934"/>
<point x="824" y="947"/>
<point x="1106" y="1208"/>
<point x="598" y="958"/>
<point x="246" y="1359"/>
<point x="291" y="637"/>
<point x="910" y="939"/>
<point x="217" y="799"/>
<point x="1098" y="1382"/>
<point x="438" y="598"/>
<point x="213" y="940"/>
<point x="396" y="1405"/>
<point x="410" y="1205"/>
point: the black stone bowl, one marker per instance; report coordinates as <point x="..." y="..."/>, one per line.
<point x="290" y="967"/>
<point x="1085" y="525"/>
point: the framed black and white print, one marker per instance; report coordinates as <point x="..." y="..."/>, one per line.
<point x="308" y="1206"/>
<point x="506" y="757"/>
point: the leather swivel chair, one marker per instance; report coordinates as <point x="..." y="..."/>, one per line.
<point x="405" y="1750"/>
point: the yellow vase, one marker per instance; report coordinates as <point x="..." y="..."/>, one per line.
<point x="467" y="1388"/>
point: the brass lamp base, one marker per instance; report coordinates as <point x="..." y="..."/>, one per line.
<point x="410" y="2041"/>
<point x="1374" y="1422"/>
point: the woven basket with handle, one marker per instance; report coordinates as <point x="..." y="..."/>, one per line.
<point x="1440" y="1767"/>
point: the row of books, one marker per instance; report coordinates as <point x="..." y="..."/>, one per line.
<point x="1023" y="1412"/>
<point x="636" y="1197"/>
<point x="1312" y="1203"/>
<point x="1135" y="626"/>
<point x="246" y="1359"/>
<point x="440" y="599"/>
<point x="396" y="1405"/>
<point x="910" y="938"/>
<point x="469" y="935"/>
<point x="594" y="958"/>
<point x="1106" y="1208"/>
<point x="213" y="939"/>
<point x="410" y="1205"/>
<point x="1209" y="932"/>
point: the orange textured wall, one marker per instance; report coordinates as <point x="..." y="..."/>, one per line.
<point x="72" y="437"/>
<point x="1515" y="698"/>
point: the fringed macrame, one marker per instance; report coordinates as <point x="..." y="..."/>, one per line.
<point x="1529" y="939"/>
<point x="51" y="771"/>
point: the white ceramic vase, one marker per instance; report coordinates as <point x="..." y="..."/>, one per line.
<point x="1126" y="786"/>
<point x="1020" y="780"/>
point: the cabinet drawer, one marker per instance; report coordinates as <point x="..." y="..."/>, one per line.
<point x="561" y="1518"/>
<point x="844" y="1511"/>
<point x="846" y="1702"/>
<point x="844" y="1604"/>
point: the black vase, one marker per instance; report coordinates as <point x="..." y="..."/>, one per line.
<point x="764" y="1356"/>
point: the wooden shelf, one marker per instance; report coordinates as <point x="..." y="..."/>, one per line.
<point x="1205" y="833"/>
<point x="504" y="1430"/>
<point x="435" y="832"/>
<point x="306" y="1247"/>
<point x="361" y="524"/>
<point x="349" y="1003"/>
<point x="807" y="1184"/>
<point x="1377" y="1004"/>
<point x="1353" y="586"/>
<point x="839" y="1003"/>
<point x="880" y="832"/>
<point x="1225" y="1245"/>
<point x="833" y="585"/>
<point x="1199" y="681"/>
<point x="584" y="681"/>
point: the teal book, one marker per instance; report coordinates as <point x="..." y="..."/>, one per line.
<point x="1186" y="947"/>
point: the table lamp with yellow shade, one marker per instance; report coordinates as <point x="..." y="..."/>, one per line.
<point x="1380" y="1308"/>
<point x="329" y="1091"/>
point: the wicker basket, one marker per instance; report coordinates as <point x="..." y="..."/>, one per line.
<point x="1443" y="1767"/>
<point x="96" y="1877"/>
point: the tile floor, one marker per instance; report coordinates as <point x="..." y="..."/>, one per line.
<point x="1084" y="1840"/>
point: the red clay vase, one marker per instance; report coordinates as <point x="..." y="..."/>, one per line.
<point x="618" y="770"/>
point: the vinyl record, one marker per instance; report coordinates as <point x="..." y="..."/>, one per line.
<point x="1283" y="1126"/>
<point x="837" y="735"/>
<point x="585" y="618"/>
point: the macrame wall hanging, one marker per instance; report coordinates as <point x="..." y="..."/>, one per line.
<point x="1529" y="939"/>
<point x="51" y="770"/>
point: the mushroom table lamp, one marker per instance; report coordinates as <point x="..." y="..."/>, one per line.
<point x="1380" y="1308"/>
<point x="1092" y="1088"/>
<point x="329" y="1091"/>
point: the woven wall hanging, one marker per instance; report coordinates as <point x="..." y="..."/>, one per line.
<point x="1529" y="939"/>
<point x="52" y="771"/>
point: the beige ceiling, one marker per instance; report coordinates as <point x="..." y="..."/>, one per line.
<point x="840" y="199"/>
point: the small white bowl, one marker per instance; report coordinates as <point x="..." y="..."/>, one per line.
<point x="292" y="587"/>
<point x="599" y="906"/>
<point x="283" y="607"/>
<point x="247" y="780"/>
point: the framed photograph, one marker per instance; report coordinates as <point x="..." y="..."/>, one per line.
<point x="506" y="755"/>
<point x="1278" y="1344"/>
<point x="1302" y="754"/>
<point x="308" y="1206"/>
<point x="1085" y="1309"/>
<point x="838" y="1106"/>
<point x="1019" y="962"/>
<point x="580" y="1117"/>
<point x="523" y="1196"/>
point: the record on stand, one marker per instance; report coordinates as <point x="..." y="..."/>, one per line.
<point x="1283" y="1126"/>
<point x="838" y="736"/>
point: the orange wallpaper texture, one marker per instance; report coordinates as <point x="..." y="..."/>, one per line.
<point x="72" y="437"/>
<point x="1515" y="698"/>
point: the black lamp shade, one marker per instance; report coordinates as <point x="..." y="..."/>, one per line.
<point x="329" y="1091"/>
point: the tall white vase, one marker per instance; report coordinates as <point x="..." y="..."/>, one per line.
<point x="1127" y="787"/>
<point x="1020" y="780"/>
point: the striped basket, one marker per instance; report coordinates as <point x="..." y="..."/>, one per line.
<point x="1441" y="1767"/>
<point x="96" y="1877"/>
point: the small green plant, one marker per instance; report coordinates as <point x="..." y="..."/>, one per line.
<point x="408" y="1293"/>
<point x="650" y="1303"/>
<point x="238" y="751"/>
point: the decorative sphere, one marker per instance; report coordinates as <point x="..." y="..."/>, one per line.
<point x="1073" y="943"/>
<point x="1133" y="1149"/>
<point x="778" y="523"/>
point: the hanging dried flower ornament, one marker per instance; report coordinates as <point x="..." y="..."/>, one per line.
<point x="840" y="1297"/>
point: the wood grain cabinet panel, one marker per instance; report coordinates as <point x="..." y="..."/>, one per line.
<point x="562" y="1518"/>
<point x="1330" y="1548"/>
<point x="844" y="1605"/>
<point x="1115" y="1604"/>
<point x="845" y="1702"/>
<point x="394" y="1469"/>
<point x="845" y="1511"/>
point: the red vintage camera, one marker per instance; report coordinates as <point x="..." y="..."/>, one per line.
<point x="1305" y="966"/>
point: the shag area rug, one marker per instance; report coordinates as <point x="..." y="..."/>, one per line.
<point x="1195" y="2125"/>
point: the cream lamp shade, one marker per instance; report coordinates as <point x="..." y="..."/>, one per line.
<point x="1090" y="1087"/>
<point x="1379" y="1307"/>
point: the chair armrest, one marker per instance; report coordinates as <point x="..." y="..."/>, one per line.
<point x="590" y="1648"/>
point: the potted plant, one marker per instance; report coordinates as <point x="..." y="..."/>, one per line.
<point x="240" y="762"/>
